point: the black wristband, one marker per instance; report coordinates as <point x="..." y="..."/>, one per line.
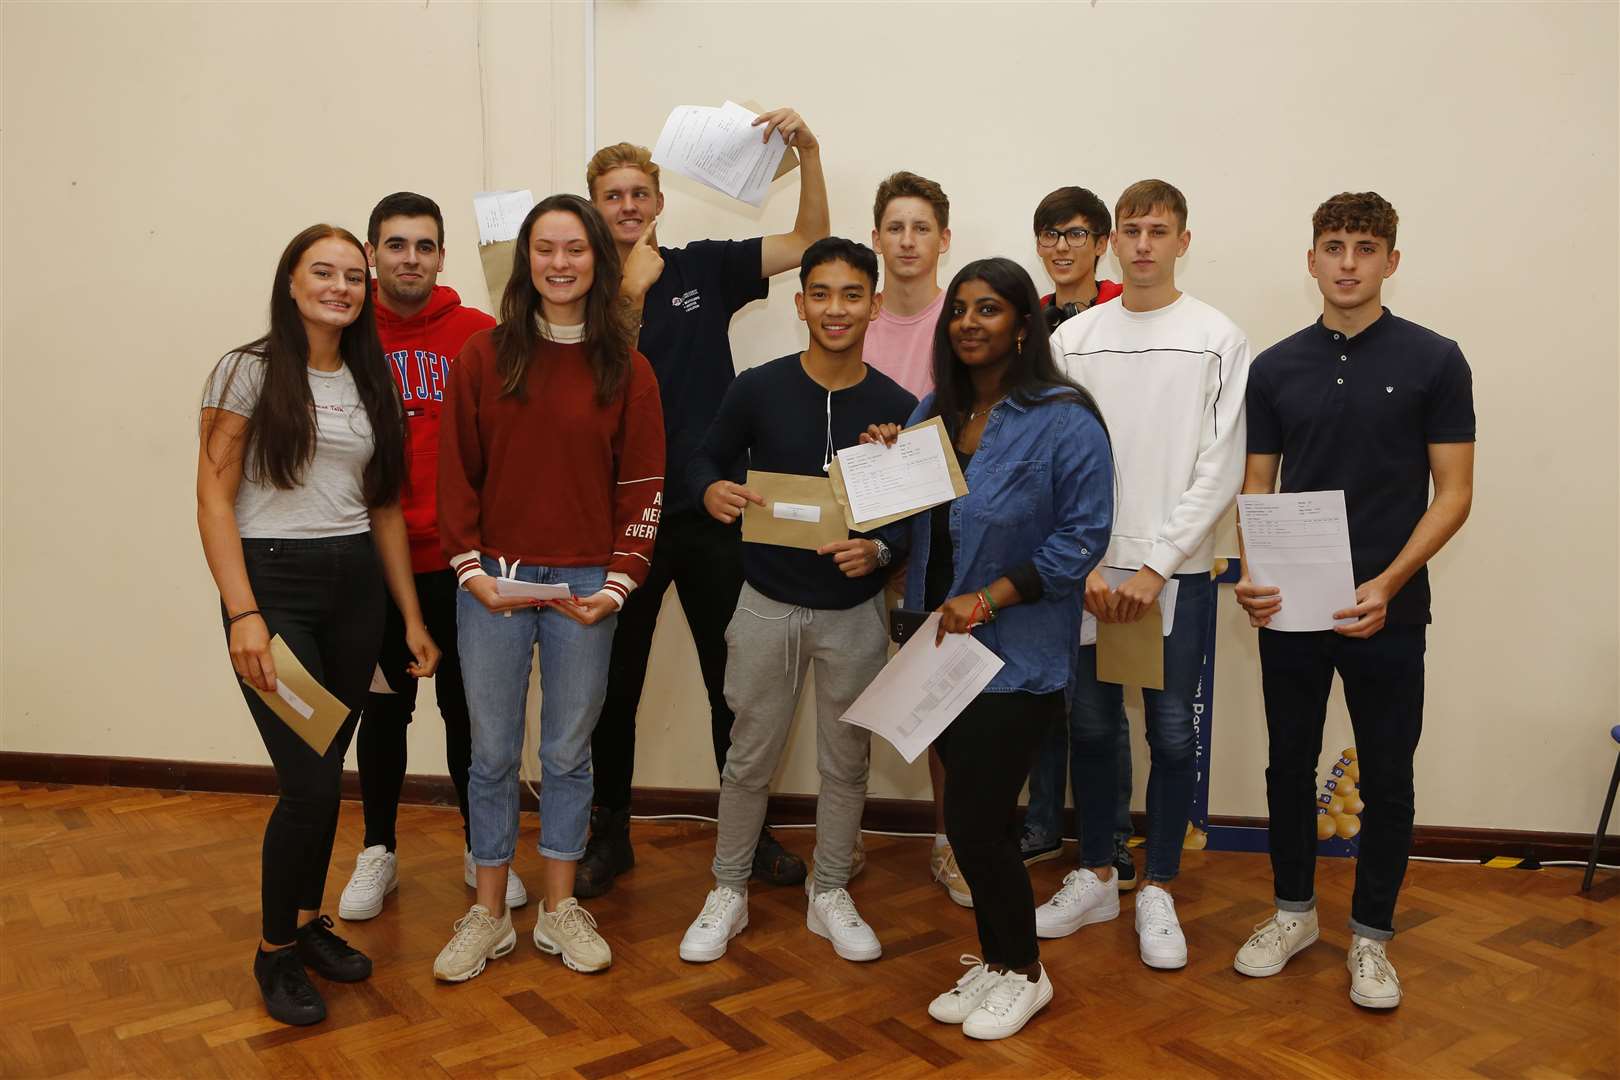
<point x="232" y="621"/>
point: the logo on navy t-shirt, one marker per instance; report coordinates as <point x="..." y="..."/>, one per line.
<point x="688" y="300"/>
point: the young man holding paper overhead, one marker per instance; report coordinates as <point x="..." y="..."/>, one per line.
<point x="1168" y="371"/>
<point x="684" y="299"/>
<point x="810" y="593"/>
<point x="1364" y="402"/>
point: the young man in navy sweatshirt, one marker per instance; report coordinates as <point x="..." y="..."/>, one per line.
<point x="797" y="605"/>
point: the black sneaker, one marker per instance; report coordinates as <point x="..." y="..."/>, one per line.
<point x="329" y="955"/>
<point x="1123" y="865"/>
<point x="1033" y="849"/>
<point x="775" y="864"/>
<point x="289" y="996"/>
<point x="607" y="853"/>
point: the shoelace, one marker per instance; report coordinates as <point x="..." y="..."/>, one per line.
<point x="1009" y="988"/>
<point x="947" y="868"/>
<point x="714" y="908"/>
<point x="367" y="871"/>
<point x="1371" y="954"/>
<point x="286" y="979"/>
<point x="469" y="926"/>
<point x="841" y="907"/>
<point x="1159" y="912"/>
<point x="323" y="938"/>
<point x="574" y="921"/>
<point x="1268" y="932"/>
<point x="975" y="968"/>
<point x="1072" y="891"/>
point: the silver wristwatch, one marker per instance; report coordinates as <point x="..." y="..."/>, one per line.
<point x="884" y="555"/>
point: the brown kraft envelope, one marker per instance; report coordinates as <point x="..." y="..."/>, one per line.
<point x="303" y="704"/>
<point x="1132" y="654"/>
<point x="791" y="500"/>
<point x="958" y="481"/>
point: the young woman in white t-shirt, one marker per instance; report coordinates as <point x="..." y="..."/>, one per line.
<point x="298" y="481"/>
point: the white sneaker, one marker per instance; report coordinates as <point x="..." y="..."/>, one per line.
<point x="724" y="916"/>
<point x="832" y="914"/>
<point x="955" y="1004"/>
<point x="516" y="894"/>
<point x="570" y="932"/>
<point x="1082" y="901"/>
<point x="1373" y="984"/>
<point x="1012" y="1000"/>
<point x="1158" y="933"/>
<point x="1275" y="941"/>
<point x="479" y="938"/>
<point x="376" y="874"/>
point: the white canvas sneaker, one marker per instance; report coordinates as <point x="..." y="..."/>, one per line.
<point x="1158" y="933"/>
<point x="376" y="874"/>
<point x="955" y="1004"/>
<point x="516" y="894"/>
<point x="1012" y="1001"/>
<point x="1082" y="901"/>
<point x="832" y="914"/>
<point x="724" y="916"/>
<point x="1275" y="941"/>
<point x="479" y="938"/>
<point x="1373" y="984"/>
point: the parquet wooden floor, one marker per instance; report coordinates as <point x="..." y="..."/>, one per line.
<point x="129" y="917"/>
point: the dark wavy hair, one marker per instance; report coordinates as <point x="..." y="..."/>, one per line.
<point x="1031" y="372"/>
<point x="280" y="435"/>
<point x="607" y="329"/>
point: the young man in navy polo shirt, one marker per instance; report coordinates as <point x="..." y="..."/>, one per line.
<point x="1379" y="407"/>
<point x="684" y="299"/>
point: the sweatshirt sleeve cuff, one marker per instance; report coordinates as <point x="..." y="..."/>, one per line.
<point x="1165" y="559"/>
<point x="467" y="565"/>
<point x="618" y="587"/>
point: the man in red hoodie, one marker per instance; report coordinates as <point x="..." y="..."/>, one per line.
<point x="423" y="326"/>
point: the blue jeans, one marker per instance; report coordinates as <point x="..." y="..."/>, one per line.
<point x="1048" y="777"/>
<point x="1096" y="712"/>
<point x="496" y="653"/>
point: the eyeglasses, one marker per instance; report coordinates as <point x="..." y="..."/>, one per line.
<point x="1077" y="236"/>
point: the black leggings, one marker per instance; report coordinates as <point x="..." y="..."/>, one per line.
<point x="987" y="752"/>
<point x="325" y="599"/>
<point x="380" y="748"/>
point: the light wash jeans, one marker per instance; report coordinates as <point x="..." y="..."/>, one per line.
<point x="496" y="653"/>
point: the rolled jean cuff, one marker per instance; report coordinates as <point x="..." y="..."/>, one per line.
<point x="1370" y="932"/>
<point x="1296" y="905"/>
<point x="561" y="856"/>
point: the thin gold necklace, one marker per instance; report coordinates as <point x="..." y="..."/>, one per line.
<point x="972" y="416"/>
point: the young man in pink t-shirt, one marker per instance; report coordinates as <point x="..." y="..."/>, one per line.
<point x="911" y="221"/>
<point x="910" y="230"/>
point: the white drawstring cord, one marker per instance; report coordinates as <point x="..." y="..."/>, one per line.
<point x="793" y="640"/>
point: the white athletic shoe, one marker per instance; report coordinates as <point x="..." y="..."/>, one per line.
<point x="957" y="1003"/>
<point x="376" y="874"/>
<point x="1275" y="942"/>
<point x="570" y="932"/>
<point x="516" y="894"/>
<point x="832" y="914"/>
<point x="479" y="938"/>
<point x="724" y="916"/>
<point x="1373" y="984"/>
<point x="1158" y="932"/>
<point x="1082" y="901"/>
<point x="1012" y="1001"/>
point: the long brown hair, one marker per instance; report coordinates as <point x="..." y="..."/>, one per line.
<point x="279" y="439"/>
<point x="607" y="330"/>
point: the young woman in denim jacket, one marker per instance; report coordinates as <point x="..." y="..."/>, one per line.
<point x="1006" y="563"/>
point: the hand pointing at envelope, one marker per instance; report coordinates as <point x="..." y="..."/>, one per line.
<point x="725" y="500"/>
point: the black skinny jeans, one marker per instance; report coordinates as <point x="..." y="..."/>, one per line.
<point x="325" y="598"/>
<point x="1383" y="690"/>
<point x="703" y="559"/>
<point x="380" y="749"/>
<point x="987" y="752"/>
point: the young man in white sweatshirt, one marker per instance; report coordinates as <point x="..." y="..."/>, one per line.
<point x="1169" y="373"/>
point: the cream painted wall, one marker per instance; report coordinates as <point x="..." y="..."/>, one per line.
<point x="163" y="154"/>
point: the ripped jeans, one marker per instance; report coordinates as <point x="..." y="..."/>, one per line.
<point x="770" y="646"/>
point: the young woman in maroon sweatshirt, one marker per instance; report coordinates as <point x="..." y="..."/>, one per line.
<point x="551" y="462"/>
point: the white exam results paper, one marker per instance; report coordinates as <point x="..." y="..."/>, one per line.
<point x="923" y="688"/>
<point x="1117" y="577"/>
<point x="1300" y="543"/>
<point x="500" y="214"/>
<point x="721" y="149"/>
<point x="882" y="481"/>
